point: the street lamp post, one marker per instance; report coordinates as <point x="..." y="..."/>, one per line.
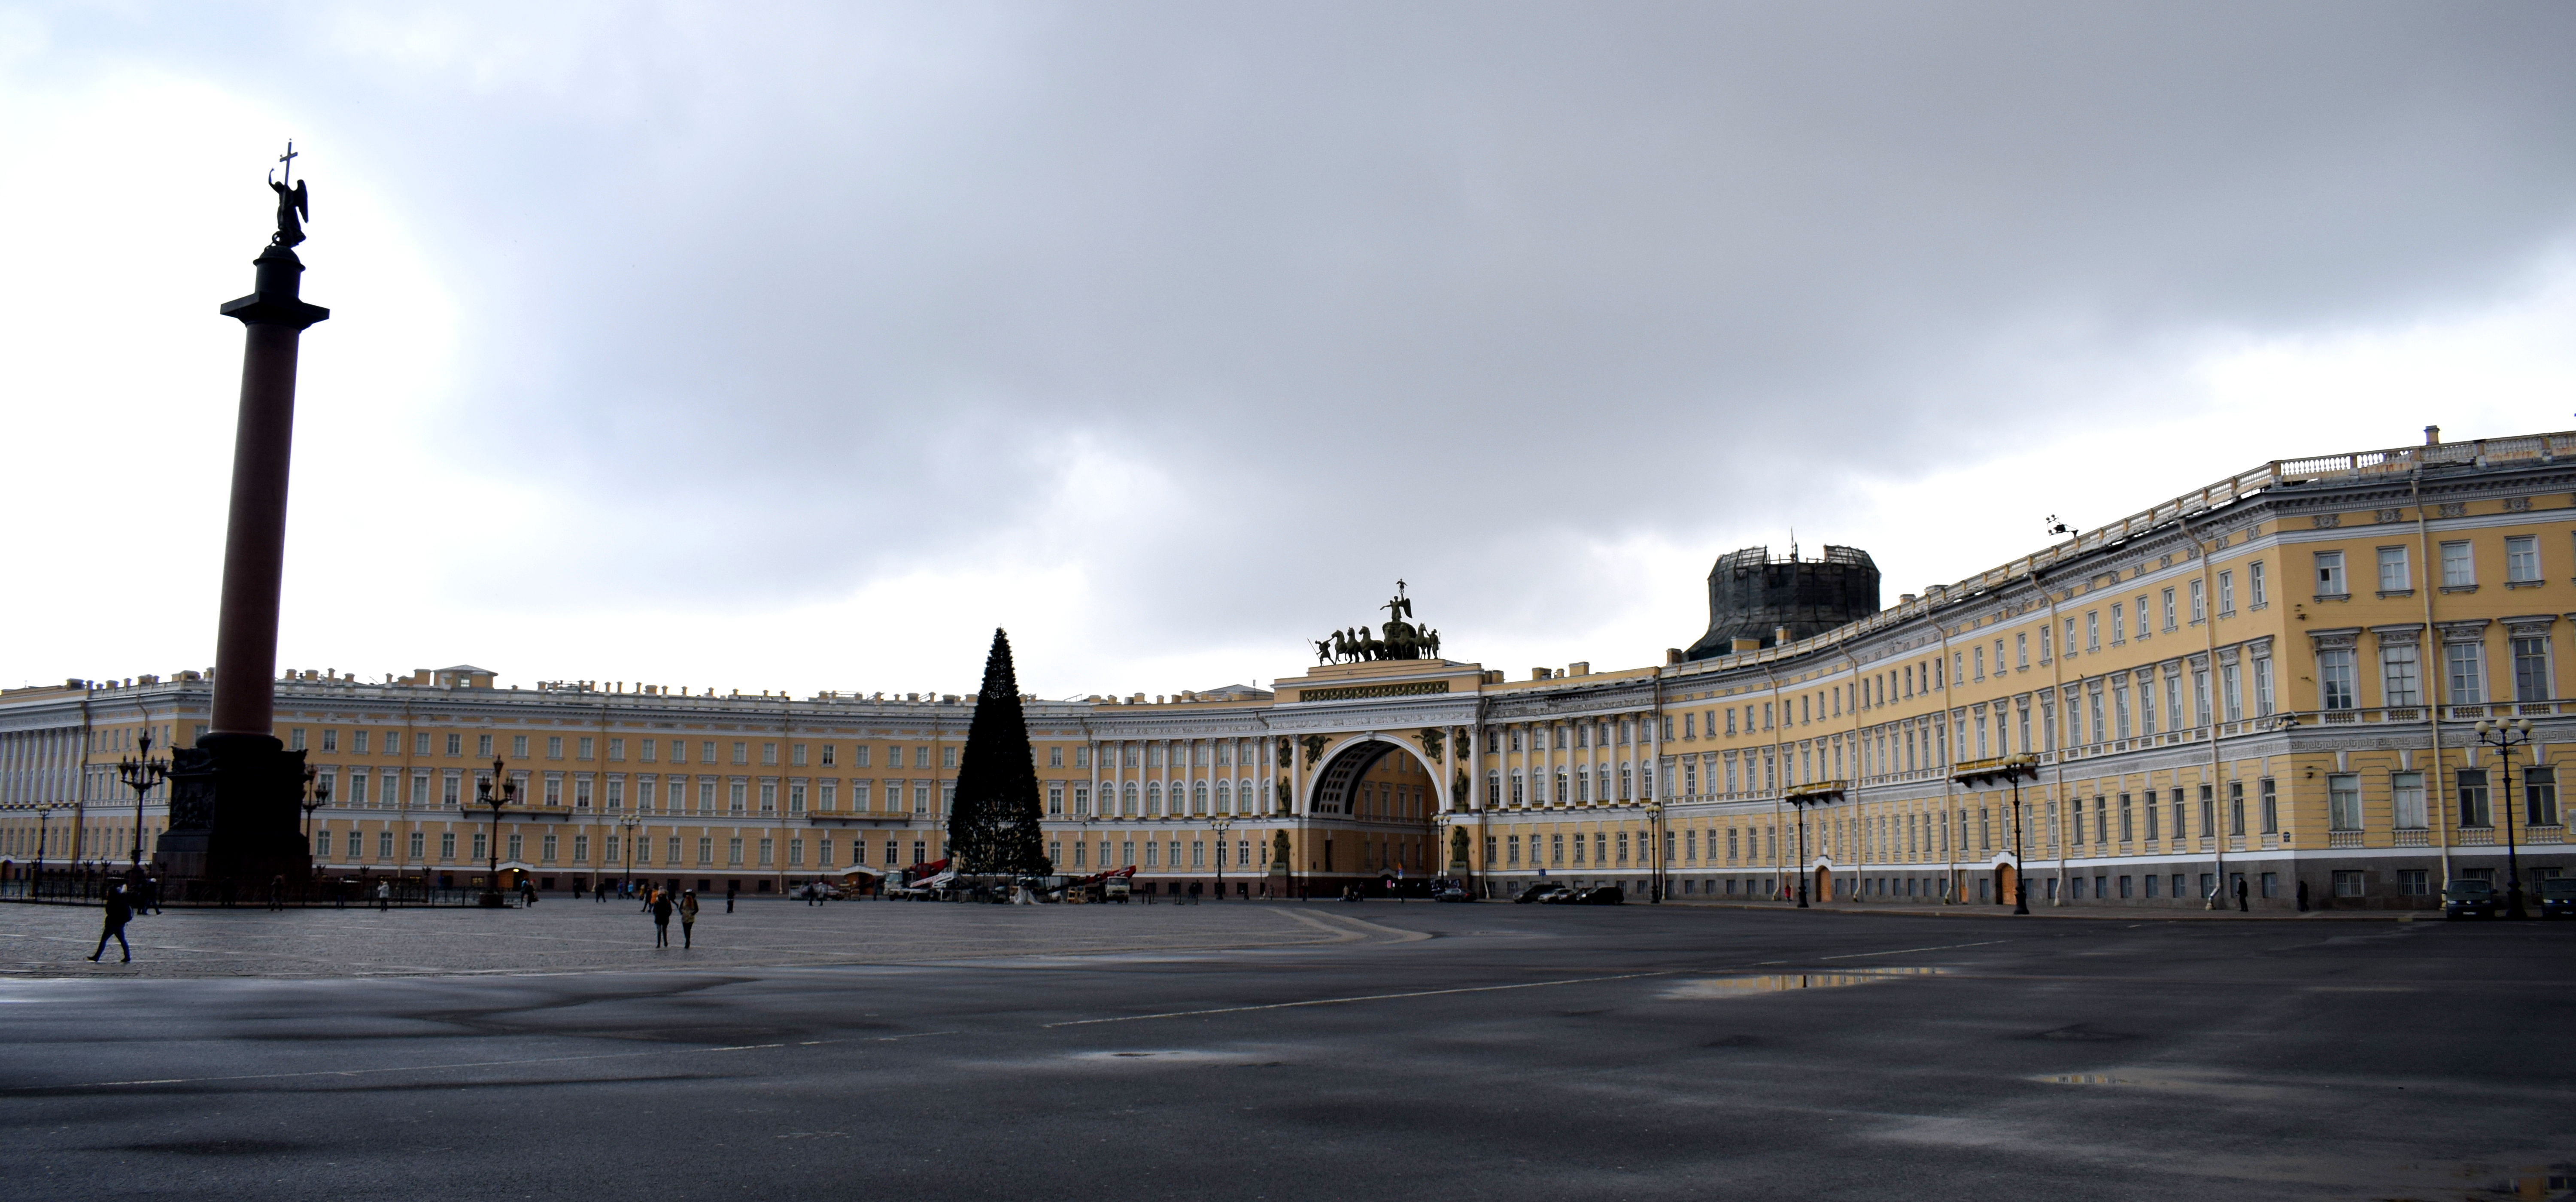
<point x="140" y="773"/>
<point x="1818" y="794"/>
<point x="2013" y="769"/>
<point x="1655" y="852"/>
<point x="317" y="793"/>
<point x="629" y="824"/>
<point x="495" y="791"/>
<point x="44" y="815"/>
<point x="1222" y="825"/>
<point x="2504" y="737"/>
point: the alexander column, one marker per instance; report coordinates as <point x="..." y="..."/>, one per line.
<point x="233" y="796"/>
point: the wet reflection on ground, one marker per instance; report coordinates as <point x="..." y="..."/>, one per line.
<point x="1781" y="982"/>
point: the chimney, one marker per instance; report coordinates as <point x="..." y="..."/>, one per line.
<point x="1746" y="645"/>
<point x="1539" y="673"/>
<point x="2432" y="436"/>
<point x="1779" y="636"/>
<point x="1672" y="655"/>
<point x="1580" y="667"/>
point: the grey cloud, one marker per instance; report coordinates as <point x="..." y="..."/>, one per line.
<point x="1446" y="289"/>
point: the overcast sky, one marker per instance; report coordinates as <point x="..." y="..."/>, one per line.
<point x="771" y="346"/>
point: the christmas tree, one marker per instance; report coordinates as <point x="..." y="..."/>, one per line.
<point x="994" y="827"/>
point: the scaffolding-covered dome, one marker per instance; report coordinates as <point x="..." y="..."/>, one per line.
<point x="1754" y="596"/>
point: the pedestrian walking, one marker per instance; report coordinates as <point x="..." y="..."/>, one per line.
<point x="152" y="894"/>
<point x="2241" y="907"/>
<point x="384" y="896"/>
<point x="277" y="892"/>
<point x="689" y="915"/>
<point x="118" y="911"/>
<point x="732" y="888"/>
<point x="660" y="904"/>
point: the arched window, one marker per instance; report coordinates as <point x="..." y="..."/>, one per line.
<point x="1224" y="797"/>
<point x="1153" y="798"/>
<point x="1198" y="797"/>
<point x="1128" y="807"/>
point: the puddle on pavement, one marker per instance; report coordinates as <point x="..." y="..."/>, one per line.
<point x="1783" y="982"/>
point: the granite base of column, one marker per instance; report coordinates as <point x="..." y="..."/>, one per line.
<point x="234" y="831"/>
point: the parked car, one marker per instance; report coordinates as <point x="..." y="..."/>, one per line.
<point x="1599" y="895"/>
<point x="1450" y="891"/>
<point x="1542" y="891"/>
<point x="2557" y="897"/>
<point x="2464" y="897"/>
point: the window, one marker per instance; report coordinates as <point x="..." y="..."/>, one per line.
<point x="647" y="747"/>
<point x="2539" y="796"/>
<point x="2466" y="664"/>
<point x="519" y="747"/>
<point x="2336" y="679"/>
<point x="2399" y="683"/>
<point x="796" y="755"/>
<point x="2343" y="803"/>
<point x="948" y="756"/>
<point x="2406" y="801"/>
<point x="2199" y="606"/>
<point x="2474" y="807"/>
<point x="2458" y="569"/>
<point x="2236" y="807"/>
<point x="769" y="754"/>
<point x="2231" y="692"/>
<point x="2263" y="686"/>
<point x="2254" y="582"/>
<point x="2522" y="559"/>
<point x="2092" y="630"/>
<point x="455" y="744"/>
<point x="2414" y="882"/>
<point x="2021" y="650"/>
<point x="2227" y="585"/>
<point x="2119" y="623"/>
<point x="358" y="741"/>
<point x="741" y="755"/>
<point x="2169" y="609"/>
<point x="554" y="747"/>
<point x="420" y="743"/>
<point x="2394" y="574"/>
<point x="585" y="748"/>
<point x="2531" y="668"/>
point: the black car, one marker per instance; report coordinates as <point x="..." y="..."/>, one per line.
<point x="1598" y="895"/>
<point x="1540" y="892"/>
<point x="2557" y="897"/>
<point x="2465" y="897"/>
<point x="1450" y="891"/>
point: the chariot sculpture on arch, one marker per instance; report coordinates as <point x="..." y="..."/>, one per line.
<point x="1396" y="638"/>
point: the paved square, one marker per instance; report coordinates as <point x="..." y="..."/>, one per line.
<point x="1291" y="1051"/>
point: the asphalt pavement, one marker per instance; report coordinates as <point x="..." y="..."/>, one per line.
<point x="1292" y="1051"/>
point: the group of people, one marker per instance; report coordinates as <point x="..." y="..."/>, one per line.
<point x="659" y="901"/>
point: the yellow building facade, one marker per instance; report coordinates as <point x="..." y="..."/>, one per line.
<point x="2274" y="681"/>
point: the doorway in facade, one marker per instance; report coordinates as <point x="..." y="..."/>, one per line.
<point x="2007" y="884"/>
<point x="1824" y="883"/>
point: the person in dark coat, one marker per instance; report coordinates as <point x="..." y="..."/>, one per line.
<point x="689" y="917"/>
<point x="118" y="912"/>
<point x="2240" y="895"/>
<point x="732" y="888"/>
<point x="660" y="904"/>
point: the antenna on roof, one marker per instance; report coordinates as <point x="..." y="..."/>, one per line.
<point x="1793" y="544"/>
